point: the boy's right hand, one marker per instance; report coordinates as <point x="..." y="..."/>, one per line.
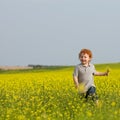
<point x="107" y="72"/>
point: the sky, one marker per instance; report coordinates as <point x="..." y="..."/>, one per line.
<point x="52" y="32"/>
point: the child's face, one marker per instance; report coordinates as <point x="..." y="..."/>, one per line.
<point x="84" y="58"/>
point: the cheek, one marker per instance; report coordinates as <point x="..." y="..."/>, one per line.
<point x="89" y="59"/>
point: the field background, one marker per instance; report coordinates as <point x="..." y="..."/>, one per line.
<point x="49" y="94"/>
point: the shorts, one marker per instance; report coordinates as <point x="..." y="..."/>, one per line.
<point x="91" y="92"/>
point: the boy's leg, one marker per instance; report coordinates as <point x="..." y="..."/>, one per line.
<point x="92" y="92"/>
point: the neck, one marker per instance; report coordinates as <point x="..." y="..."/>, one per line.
<point x="86" y="64"/>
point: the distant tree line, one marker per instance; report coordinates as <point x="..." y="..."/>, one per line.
<point x="44" y="66"/>
<point x="37" y="66"/>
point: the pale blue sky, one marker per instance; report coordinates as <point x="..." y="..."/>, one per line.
<point x="52" y="32"/>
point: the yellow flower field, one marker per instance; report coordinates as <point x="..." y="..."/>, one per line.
<point x="51" y="95"/>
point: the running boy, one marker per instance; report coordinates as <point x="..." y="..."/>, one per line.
<point x="83" y="75"/>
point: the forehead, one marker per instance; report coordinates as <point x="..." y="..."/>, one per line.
<point x="84" y="54"/>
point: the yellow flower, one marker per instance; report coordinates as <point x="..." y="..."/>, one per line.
<point x="116" y="112"/>
<point x="21" y="117"/>
<point x="89" y="113"/>
<point x="113" y="103"/>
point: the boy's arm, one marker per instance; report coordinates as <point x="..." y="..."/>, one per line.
<point x="102" y="73"/>
<point x="75" y="79"/>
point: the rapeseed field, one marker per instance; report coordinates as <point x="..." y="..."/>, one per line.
<point x="51" y="95"/>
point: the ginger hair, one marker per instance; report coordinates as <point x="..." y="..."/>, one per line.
<point x="86" y="51"/>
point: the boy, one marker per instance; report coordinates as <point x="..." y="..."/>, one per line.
<point x="83" y="75"/>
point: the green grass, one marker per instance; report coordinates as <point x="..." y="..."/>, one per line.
<point x="108" y="65"/>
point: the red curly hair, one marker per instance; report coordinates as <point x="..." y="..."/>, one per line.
<point x="86" y="51"/>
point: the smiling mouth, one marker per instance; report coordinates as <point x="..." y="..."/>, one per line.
<point x="83" y="61"/>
